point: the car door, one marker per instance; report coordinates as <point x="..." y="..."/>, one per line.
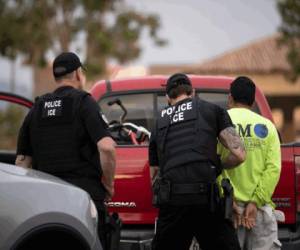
<point x="13" y="109"/>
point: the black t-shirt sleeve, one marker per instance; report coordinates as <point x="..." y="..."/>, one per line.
<point x="24" y="146"/>
<point x="223" y="119"/>
<point x="92" y="117"/>
<point x="153" y="157"/>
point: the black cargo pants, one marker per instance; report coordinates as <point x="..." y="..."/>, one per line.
<point x="177" y="225"/>
<point x="102" y="227"/>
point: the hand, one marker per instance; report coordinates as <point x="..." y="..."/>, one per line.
<point x="110" y="190"/>
<point x="249" y="216"/>
<point x="109" y="194"/>
<point x="237" y="216"/>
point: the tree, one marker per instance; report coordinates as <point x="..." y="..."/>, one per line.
<point x="11" y="117"/>
<point x="33" y="28"/>
<point x="290" y="33"/>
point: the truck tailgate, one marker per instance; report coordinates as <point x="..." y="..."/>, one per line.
<point x="133" y="195"/>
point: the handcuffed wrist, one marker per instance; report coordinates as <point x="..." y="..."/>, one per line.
<point x="253" y="202"/>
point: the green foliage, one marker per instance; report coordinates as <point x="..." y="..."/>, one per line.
<point x="290" y="33"/>
<point x="33" y="28"/>
<point x="10" y="120"/>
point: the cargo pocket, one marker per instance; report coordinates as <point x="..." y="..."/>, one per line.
<point x="276" y="245"/>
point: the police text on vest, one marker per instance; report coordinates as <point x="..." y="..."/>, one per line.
<point x="179" y="112"/>
<point x="51" y="112"/>
<point x="53" y="104"/>
<point x="51" y="107"/>
<point x="180" y="108"/>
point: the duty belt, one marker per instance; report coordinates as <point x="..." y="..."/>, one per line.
<point x="194" y="188"/>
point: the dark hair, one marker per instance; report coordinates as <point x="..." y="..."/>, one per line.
<point x="180" y="90"/>
<point x="242" y="90"/>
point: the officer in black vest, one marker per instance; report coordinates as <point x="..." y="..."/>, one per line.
<point x="184" y="168"/>
<point x="64" y="135"/>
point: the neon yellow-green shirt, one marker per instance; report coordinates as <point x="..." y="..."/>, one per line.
<point x="256" y="178"/>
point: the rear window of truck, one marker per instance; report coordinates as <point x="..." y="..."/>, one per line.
<point x="143" y="107"/>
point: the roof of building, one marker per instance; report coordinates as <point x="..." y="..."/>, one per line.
<point x="261" y="56"/>
<point x="263" y="60"/>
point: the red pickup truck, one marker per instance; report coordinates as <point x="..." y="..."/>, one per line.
<point x="143" y="98"/>
<point x="130" y="106"/>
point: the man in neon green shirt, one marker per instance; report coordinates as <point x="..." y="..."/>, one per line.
<point x="254" y="181"/>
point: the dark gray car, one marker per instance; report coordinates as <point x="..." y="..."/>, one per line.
<point x="39" y="211"/>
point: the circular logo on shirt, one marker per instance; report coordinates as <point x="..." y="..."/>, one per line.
<point x="261" y="130"/>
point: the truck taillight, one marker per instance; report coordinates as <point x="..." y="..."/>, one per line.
<point x="297" y="164"/>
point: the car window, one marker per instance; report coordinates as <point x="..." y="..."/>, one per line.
<point x="11" y="118"/>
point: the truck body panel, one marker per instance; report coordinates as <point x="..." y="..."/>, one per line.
<point x="133" y="180"/>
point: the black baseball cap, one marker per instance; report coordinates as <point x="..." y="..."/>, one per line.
<point x="176" y="80"/>
<point x="66" y="63"/>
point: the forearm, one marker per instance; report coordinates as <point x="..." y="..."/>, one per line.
<point x="266" y="186"/>
<point x="106" y="148"/>
<point x="108" y="164"/>
<point x="271" y="173"/>
<point x="231" y="140"/>
<point x="231" y="161"/>
<point x="24" y="161"/>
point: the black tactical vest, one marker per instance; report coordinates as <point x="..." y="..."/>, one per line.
<point x="185" y="136"/>
<point x="60" y="143"/>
